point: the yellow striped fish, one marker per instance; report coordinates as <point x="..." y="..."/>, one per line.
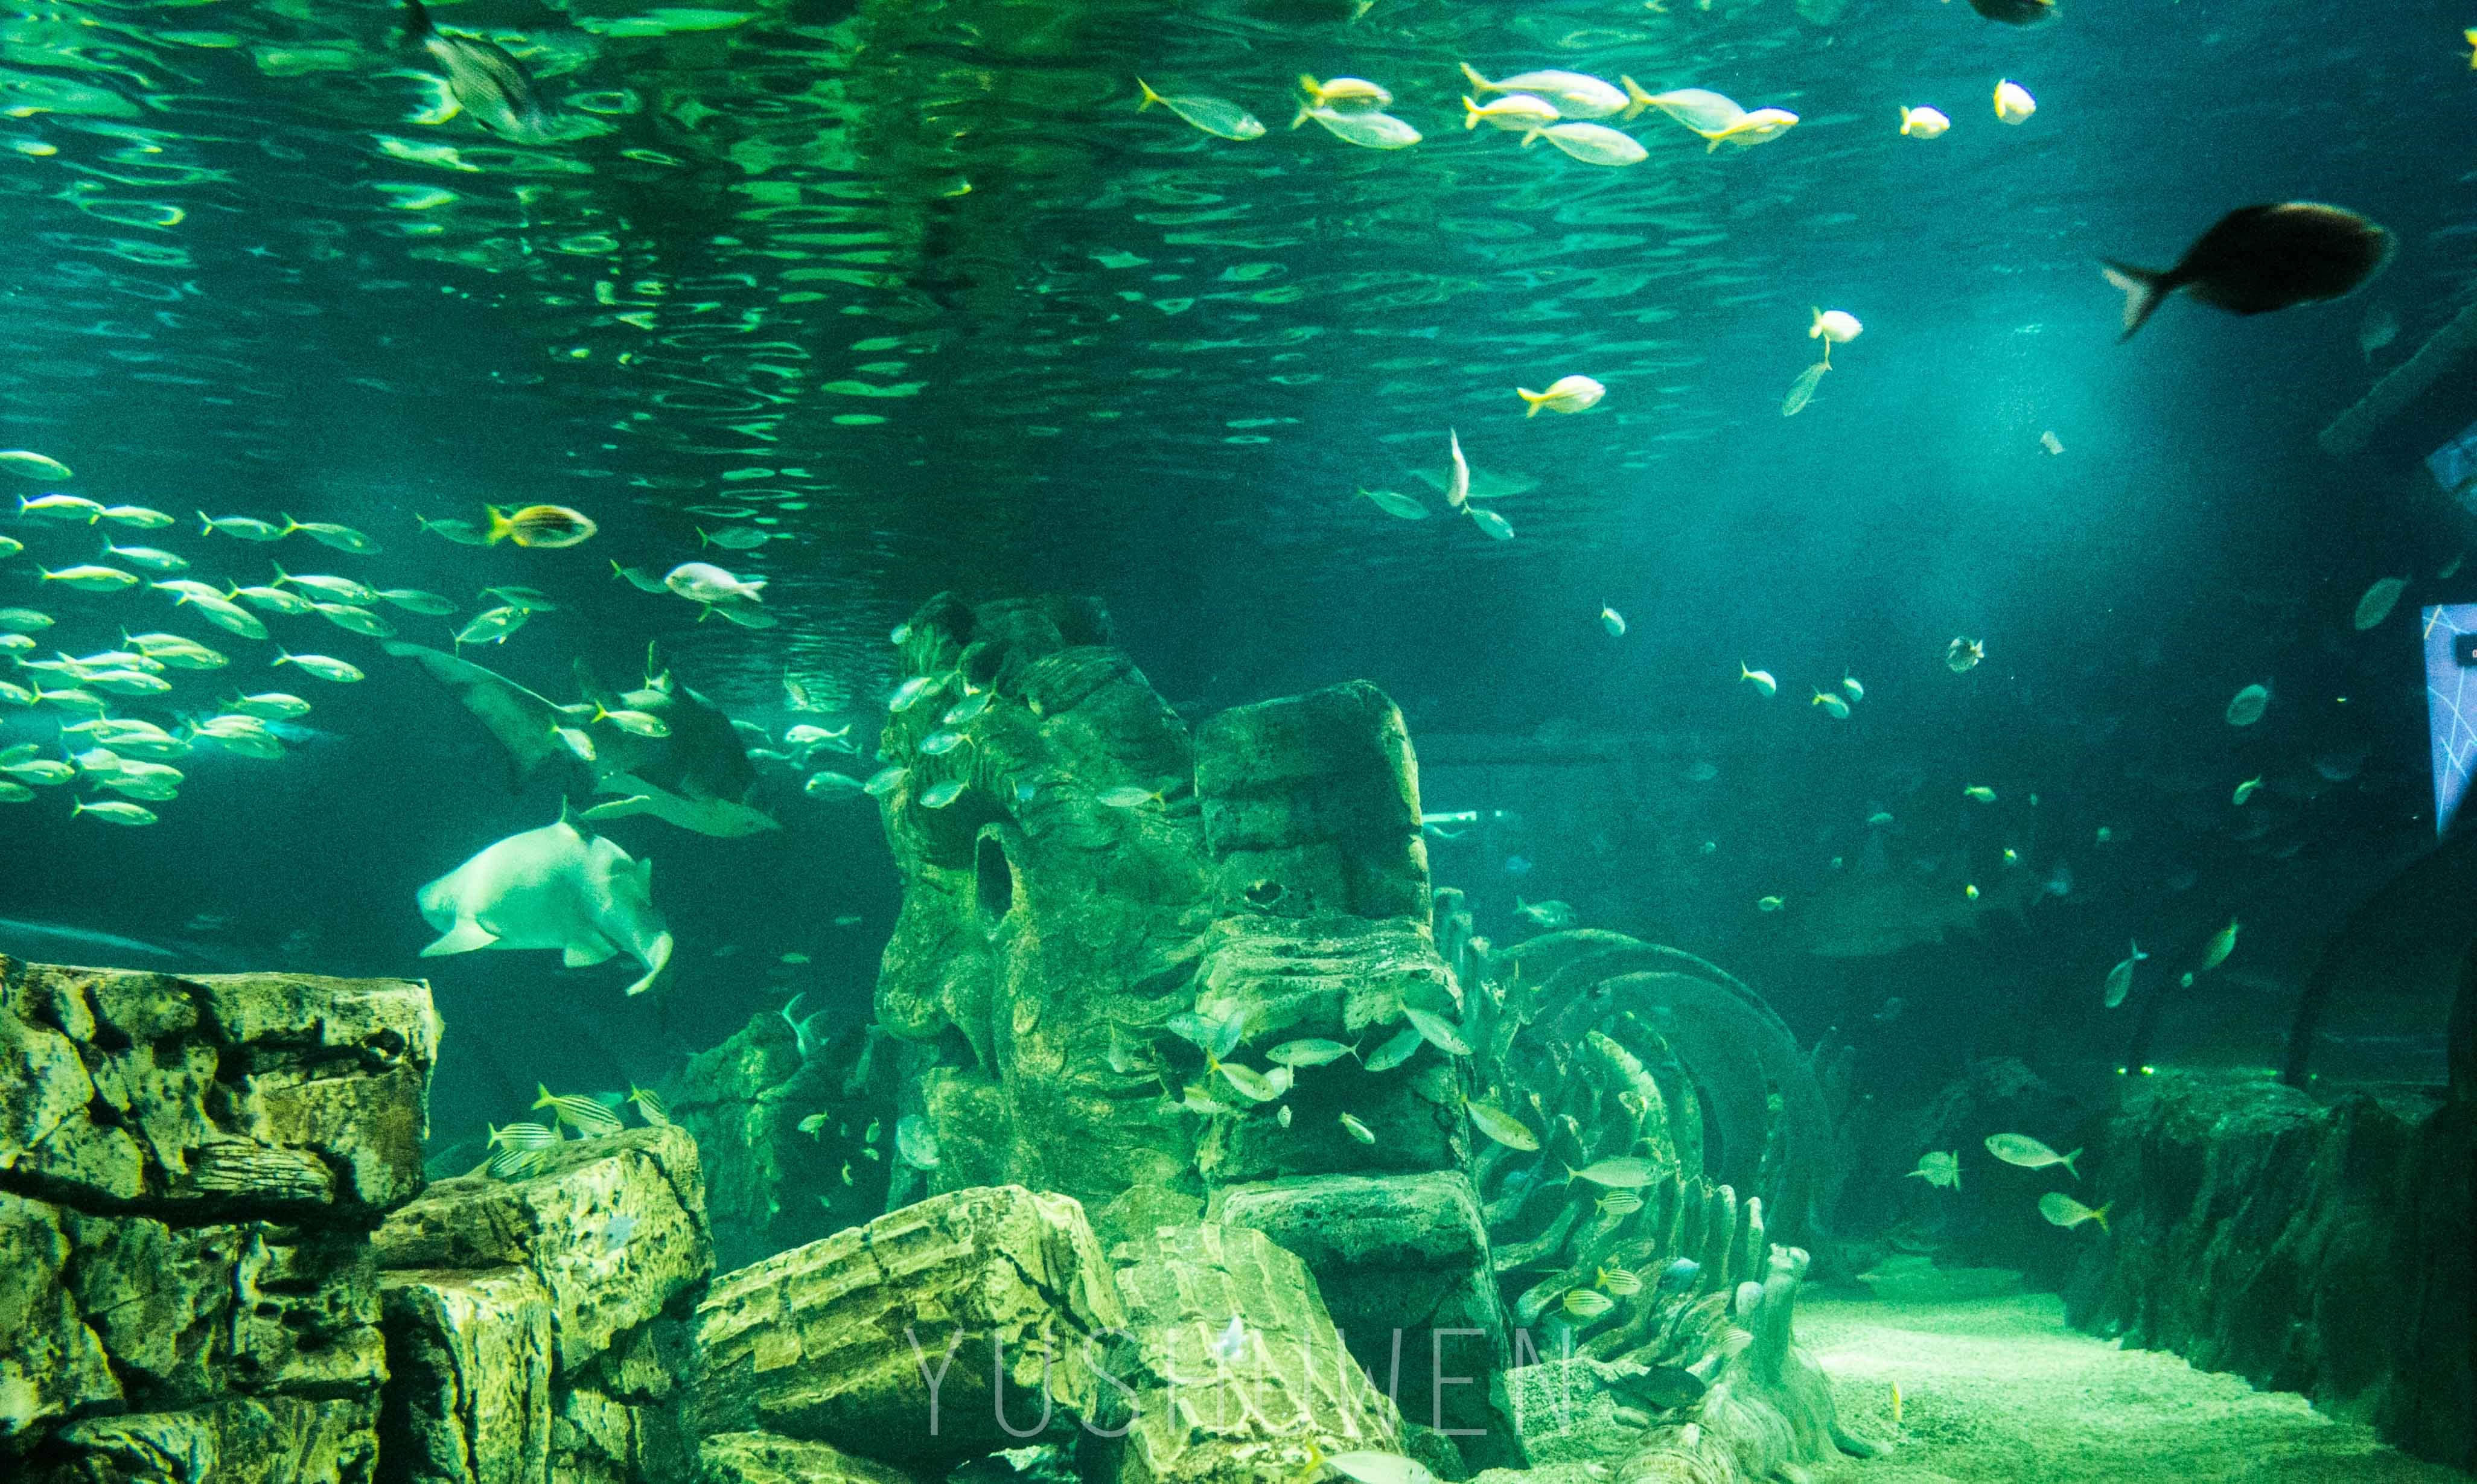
<point x="522" y="1136"/>
<point x="650" y="1105"/>
<point x="589" y="1119"/>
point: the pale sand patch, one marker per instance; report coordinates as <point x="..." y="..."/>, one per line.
<point x="1999" y="1391"/>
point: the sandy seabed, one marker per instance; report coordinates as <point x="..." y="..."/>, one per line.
<point x="1999" y="1391"/>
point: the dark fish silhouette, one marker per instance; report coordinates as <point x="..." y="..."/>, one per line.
<point x="2015" y="12"/>
<point x="695" y="776"/>
<point x="489" y="83"/>
<point x="2262" y="257"/>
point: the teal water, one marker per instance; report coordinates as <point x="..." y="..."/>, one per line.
<point x="915" y="290"/>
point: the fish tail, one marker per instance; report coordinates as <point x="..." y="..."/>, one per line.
<point x="1314" y="89"/>
<point x="1534" y="398"/>
<point x="1471" y="115"/>
<point x="545" y="1100"/>
<point x="1150" y="97"/>
<point x="2143" y="290"/>
<point x="1904" y="116"/>
<point x="501" y="527"/>
<point x="2100" y="1215"/>
<point x="206" y="522"/>
<point x="290" y="525"/>
<point x="1636" y="100"/>
<point x="1477" y="80"/>
<point x="2068" y="1163"/>
<point x="1531" y="136"/>
<point x="416" y="19"/>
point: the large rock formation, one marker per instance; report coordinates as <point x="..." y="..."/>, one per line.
<point x="188" y="1167"/>
<point x="1109" y="925"/>
<point x="2322" y="1249"/>
<point x="536" y="1327"/>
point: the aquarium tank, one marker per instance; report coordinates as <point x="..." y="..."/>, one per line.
<point x="1238" y="741"/>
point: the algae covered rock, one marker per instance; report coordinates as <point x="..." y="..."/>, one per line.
<point x="1316" y="794"/>
<point x="52" y="1365"/>
<point x="1400" y="1256"/>
<point x="469" y="1363"/>
<point x="528" y="1320"/>
<point x="219" y="1090"/>
<point x="1237" y="1370"/>
<point x="763" y="1458"/>
<point x="611" y="1227"/>
<point x="190" y="1166"/>
<point x="882" y="1340"/>
<point x="241" y="1440"/>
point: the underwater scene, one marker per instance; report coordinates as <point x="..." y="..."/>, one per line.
<point x="885" y="741"/>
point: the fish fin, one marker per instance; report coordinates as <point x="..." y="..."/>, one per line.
<point x="1470" y="115"/>
<point x="465" y="937"/>
<point x="1476" y="81"/>
<point x="658" y="958"/>
<point x="646" y="874"/>
<point x="1307" y="110"/>
<point x="2100" y="1215"/>
<point x="1636" y="100"/>
<point x="1150" y="98"/>
<point x="586" y="952"/>
<point x="2068" y="1163"/>
<point x="620" y="808"/>
<point x="520" y="719"/>
<point x="416" y="21"/>
<point x="1534" y="398"/>
<point x="1529" y="135"/>
<point x="2143" y="290"/>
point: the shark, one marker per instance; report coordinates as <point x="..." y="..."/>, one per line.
<point x="695" y="776"/>
<point x="557" y="886"/>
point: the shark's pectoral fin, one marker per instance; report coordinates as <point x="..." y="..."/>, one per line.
<point x="464" y="936"/>
<point x="658" y="957"/>
<point x="586" y="952"/>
